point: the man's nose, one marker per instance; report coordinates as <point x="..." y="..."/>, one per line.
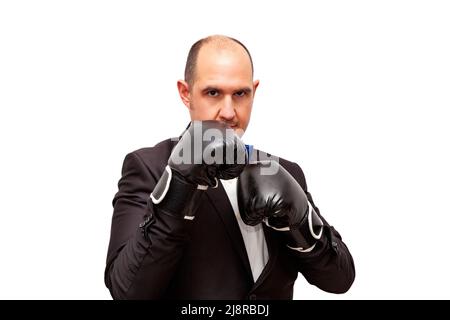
<point x="227" y="111"/>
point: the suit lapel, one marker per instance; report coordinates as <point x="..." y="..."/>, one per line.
<point x="272" y="248"/>
<point x="221" y="203"/>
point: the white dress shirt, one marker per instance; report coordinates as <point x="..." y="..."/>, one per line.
<point x="254" y="240"/>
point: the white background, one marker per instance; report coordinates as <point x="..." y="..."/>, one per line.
<point x="356" y="92"/>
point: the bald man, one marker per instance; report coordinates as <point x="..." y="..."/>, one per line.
<point x="196" y="218"/>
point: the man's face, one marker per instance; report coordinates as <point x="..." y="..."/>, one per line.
<point x="223" y="88"/>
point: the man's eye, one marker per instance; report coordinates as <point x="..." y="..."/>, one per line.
<point x="240" y="93"/>
<point x="213" y="93"/>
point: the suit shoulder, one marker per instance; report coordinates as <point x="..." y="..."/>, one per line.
<point x="158" y="150"/>
<point x="295" y="170"/>
<point x="156" y="156"/>
<point x="292" y="167"/>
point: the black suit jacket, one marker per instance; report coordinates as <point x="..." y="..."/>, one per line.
<point x="205" y="258"/>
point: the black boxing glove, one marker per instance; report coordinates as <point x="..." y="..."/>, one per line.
<point x="277" y="199"/>
<point x="207" y="151"/>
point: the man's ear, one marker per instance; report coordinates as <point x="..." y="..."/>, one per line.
<point x="255" y="85"/>
<point x="183" y="90"/>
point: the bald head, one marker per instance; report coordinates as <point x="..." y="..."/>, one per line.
<point x="209" y="45"/>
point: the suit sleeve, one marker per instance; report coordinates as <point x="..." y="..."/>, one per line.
<point x="330" y="265"/>
<point x="140" y="265"/>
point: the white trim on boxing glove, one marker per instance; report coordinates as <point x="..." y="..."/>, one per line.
<point x="162" y="187"/>
<point x="303" y="250"/>
<point x="310" y="209"/>
<point x="310" y="228"/>
<point x="266" y="221"/>
<point x="310" y="213"/>
<point x="166" y="187"/>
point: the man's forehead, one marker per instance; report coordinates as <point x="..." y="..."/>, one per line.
<point x="224" y="69"/>
<point x="224" y="86"/>
<point x="213" y="56"/>
<point x="225" y="73"/>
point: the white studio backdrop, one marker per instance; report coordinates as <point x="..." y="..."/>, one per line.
<point x="356" y="92"/>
